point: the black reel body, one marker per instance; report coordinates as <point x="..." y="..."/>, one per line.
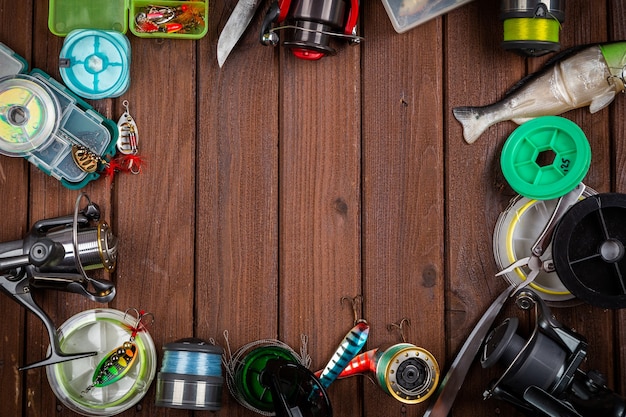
<point x="311" y="24"/>
<point x="542" y="375"/>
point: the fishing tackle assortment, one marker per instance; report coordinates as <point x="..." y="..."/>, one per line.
<point x="186" y="18"/>
<point x="311" y="24"/>
<point x="191" y="376"/>
<point x="127" y="144"/>
<point x="542" y="374"/>
<point x="267" y="376"/>
<point x="532" y="27"/>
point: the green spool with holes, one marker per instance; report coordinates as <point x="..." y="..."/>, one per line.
<point x="546" y="157"/>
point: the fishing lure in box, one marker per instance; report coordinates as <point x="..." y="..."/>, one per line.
<point x="116" y="364"/>
<point x="578" y="77"/>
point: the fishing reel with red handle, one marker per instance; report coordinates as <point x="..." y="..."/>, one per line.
<point x="311" y="25"/>
<point x="542" y="374"/>
<point x="54" y="255"/>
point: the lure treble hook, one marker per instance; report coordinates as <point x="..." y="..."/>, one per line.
<point x="357" y="304"/>
<point x="400" y="326"/>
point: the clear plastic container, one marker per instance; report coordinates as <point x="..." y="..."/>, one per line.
<point x="407" y="14"/>
<point x="101" y="330"/>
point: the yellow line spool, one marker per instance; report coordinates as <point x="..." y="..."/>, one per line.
<point x="532" y="27"/>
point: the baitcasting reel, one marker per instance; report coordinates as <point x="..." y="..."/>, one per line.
<point x="54" y="255"/>
<point x="312" y="23"/>
<point x="541" y="374"/>
<point x="531" y="27"/>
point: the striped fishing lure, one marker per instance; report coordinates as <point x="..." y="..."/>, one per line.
<point x="350" y="346"/>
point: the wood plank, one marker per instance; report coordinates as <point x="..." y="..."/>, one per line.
<point x="319" y="206"/>
<point x="48" y="199"/>
<point x="154" y="211"/>
<point x="15" y="29"/>
<point x="478" y="72"/>
<point x="578" y="16"/>
<point x="237" y="193"/>
<point x="403" y="191"/>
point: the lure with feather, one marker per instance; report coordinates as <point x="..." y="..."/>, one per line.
<point x="578" y="77"/>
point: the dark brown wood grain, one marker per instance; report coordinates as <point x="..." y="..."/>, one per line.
<point x="16" y="222"/>
<point x="272" y="187"/>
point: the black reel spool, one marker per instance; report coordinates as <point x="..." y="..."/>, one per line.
<point x="542" y="375"/>
<point x="312" y="23"/>
<point x="296" y="391"/>
<point x="589" y="250"/>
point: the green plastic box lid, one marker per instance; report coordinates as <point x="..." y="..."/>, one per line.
<point x="67" y="15"/>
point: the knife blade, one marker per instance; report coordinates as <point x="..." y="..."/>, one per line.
<point x="235" y="27"/>
<point x="458" y="370"/>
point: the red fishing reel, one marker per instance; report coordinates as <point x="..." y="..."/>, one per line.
<point x="311" y="25"/>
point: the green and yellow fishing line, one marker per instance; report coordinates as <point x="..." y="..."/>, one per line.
<point x="532" y="29"/>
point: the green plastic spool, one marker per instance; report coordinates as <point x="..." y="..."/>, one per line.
<point x="248" y="377"/>
<point x="546" y="157"/>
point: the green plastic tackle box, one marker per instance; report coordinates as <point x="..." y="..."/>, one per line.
<point x="145" y="18"/>
<point x="42" y="121"/>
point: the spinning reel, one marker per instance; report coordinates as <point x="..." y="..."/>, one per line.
<point x="542" y="375"/>
<point x="312" y="23"/>
<point x="54" y="255"/>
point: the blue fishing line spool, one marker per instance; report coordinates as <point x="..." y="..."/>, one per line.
<point x="191" y="376"/>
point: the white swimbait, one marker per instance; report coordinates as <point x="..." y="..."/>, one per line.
<point x="581" y="76"/>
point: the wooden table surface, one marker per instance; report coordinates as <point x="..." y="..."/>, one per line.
<point x="272" y="187"/>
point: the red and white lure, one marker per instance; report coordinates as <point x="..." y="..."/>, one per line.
<point x="116" y="364"/>
<point x="128" y="142"/>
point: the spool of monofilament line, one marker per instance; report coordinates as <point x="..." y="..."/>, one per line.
<point x="191" y="376"/>
<point x="244" y="369"/>
<point x="531" y="27"/>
